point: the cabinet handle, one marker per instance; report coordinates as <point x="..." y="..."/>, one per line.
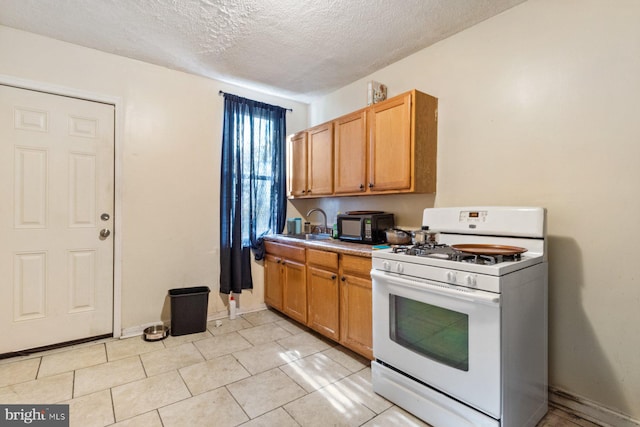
<point x="371" y="185"/>
<point x="343" y="278"/>
<point x="333" y="277"/>
<point x="303" y="191"/>
<point x="361" y="187"/>
<point x="308" y="191"/>
<point x="278" y="261"/>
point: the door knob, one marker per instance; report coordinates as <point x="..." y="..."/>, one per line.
<point x="104" y="233"/>
<point x="105" y="217"/>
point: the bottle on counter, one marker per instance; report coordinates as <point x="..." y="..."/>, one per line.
<point x="232" y="307"/>
<point x="334" y="232"/>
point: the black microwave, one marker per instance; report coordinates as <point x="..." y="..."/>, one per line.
<point x="364" y="226"/>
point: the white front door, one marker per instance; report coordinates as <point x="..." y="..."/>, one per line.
<point x="56" y="219"/>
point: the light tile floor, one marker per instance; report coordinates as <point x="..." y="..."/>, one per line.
<point x="260" y="369"/>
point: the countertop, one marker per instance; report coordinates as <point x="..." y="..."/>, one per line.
<point x="332" y="245"/>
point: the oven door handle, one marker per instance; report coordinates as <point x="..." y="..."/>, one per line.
<point x="424" y="285"/>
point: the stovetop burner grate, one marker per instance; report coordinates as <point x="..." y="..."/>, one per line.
<point x="443" y="251"/>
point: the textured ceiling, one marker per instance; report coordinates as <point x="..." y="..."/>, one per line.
<point x="293" y="48"/>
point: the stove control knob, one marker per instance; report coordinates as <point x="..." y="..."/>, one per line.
<point x="386" y="265"/>
<point x="451" y="276"/>
<point x="399" y="268"/>
<point x="470" y="280"/>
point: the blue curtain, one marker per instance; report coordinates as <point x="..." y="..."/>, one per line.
<point x="252" y="186"/>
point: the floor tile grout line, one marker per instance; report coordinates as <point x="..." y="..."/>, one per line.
<point x="164" y="406"/>
<point x="239" y="362"/>
<point x="236" y="400"/>
<point x="39" y="367"/>
<point x="185" y="381"/>
<point x="157" y="410"/>
<point x="73" y="385"/>
<point x="199" y="351"/>
<point x="375" y="414"/>
<point x="310" y="355"/>
<point x="365" y="403"/>
<point x="288" y="413"/>
<point x="113" y="405"/>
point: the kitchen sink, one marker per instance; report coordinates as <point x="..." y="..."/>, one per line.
<point x="319" y="236"/>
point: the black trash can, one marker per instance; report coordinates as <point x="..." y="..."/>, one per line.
<point x="189" y="310"/>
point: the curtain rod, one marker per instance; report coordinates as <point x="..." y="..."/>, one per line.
<point x="220" y="93"/>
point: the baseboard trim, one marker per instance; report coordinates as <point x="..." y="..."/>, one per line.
<point x="589" y="410"/>
<point x="135" y="331"/>
<point x="138" y="330"/>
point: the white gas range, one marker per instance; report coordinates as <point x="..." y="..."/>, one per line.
<point x="460" y="327"/>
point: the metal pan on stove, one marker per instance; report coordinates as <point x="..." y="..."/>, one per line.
<point x="485" y="249"/>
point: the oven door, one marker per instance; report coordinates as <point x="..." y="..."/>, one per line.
<point x="447" y="337"/>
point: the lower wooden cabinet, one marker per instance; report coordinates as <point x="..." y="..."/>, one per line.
<point x="274" y="281"/>
<point x="327" y="291"/>
<point x="323" y="293"/>
<point x="356" y="330"/>
<point x="294" y="301"/>
<point x="286" y="280"/>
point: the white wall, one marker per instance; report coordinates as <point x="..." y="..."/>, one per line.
<point x="170" y="165"/>
<point x="539" y="106"/>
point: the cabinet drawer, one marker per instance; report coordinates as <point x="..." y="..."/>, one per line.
<point x="357" y="265"/>
<point x="322" y="259"/>
<point x="290" y="252"/>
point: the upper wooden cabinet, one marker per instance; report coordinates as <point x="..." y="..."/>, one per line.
<point x="390" y="148"/>
<point x="320" y="160"/>
<point x="298" y="164"/>
<point x="350" y="139"/>
<point x="387" y="148"/>
<point x="403" y="139"/>
<point x="311" y="162"/>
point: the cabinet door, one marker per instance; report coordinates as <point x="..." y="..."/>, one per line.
<point x="390" y="163"/>
<point x="356" y="320"/>
<point x="298" y="164"/>
<point x="273" y="277"/>
<point x="295" y="290"/>
<point x="324" y="302"/>
<point x="320" y="162"/>
<point x="350" y="153"/>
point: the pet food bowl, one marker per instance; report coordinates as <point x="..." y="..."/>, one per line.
<point x="156" y="333"/>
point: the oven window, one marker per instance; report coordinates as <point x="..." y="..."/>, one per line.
<point x="434" y="332"/>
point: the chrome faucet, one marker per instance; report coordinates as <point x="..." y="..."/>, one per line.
<point x="324" y="229"/>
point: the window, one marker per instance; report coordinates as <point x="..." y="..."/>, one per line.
<point x="252" y="186"/>
<point x="257" y="173"/>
